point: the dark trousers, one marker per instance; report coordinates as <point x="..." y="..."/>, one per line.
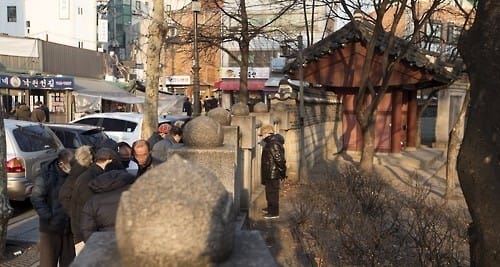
<point x="273" y="196"/>
<point x="56" y="248"/>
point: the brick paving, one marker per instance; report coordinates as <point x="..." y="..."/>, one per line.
<point x="28" y="258"/>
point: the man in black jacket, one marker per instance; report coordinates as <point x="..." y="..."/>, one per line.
<point x="56" y="240"/>
<point x="81" y="191"/>
<point x="84" y="157"/>
<point x="99" y="213"/>
<point x="141" y="153"/>
<point x="273" y="169"/>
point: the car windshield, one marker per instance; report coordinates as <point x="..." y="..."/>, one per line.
<point x="34" y="138"/>
<point x="93" y="137"/>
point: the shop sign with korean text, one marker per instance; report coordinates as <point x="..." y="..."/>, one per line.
<point x="26" y="82"/>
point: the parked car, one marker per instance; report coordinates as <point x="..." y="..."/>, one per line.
<point x="123" y="126"/>
<point x="74" y="136"/>
<point x="29" y="145"/>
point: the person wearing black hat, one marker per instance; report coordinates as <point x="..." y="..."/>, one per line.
<point x="273" y="169"/>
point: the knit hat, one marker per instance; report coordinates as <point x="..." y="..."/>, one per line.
<point x="164" y="128"/>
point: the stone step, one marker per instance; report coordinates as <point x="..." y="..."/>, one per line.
<point x="423" y="158"/>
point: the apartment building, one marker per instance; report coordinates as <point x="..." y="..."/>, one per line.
<point x="71" y="23"/>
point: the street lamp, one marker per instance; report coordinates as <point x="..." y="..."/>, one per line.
<point x="196" y="7"/>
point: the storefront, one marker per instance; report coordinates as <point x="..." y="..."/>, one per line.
<point x="229" y="88"/>
<point x="53" y="91"/>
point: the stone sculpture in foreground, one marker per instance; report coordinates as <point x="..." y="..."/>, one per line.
<point x="177" y="214"/>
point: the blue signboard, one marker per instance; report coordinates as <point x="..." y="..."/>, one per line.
<point x="24" y="82"/>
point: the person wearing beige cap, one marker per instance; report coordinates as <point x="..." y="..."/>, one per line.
<point x="273" y="169"/>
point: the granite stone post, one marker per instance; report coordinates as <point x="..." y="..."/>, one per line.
<point x="449" y="105"/>
<point x="246" y="125"/>
<point x="204" y="145"/>
<point x="176" y="214"/>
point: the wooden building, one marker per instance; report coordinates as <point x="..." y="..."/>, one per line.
<point x="335" y="64"/>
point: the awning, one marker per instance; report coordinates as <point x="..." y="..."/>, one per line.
<point x="234" y="85"/>
<point x="89" y="93"/>
<point x="104" y="89"/>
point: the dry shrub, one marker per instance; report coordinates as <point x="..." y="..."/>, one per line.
<point x="355" y="219"/>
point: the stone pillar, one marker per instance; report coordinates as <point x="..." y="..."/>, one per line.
<point x="246" y="124"/>
<point x="262" y="116"/>
<point x="412" y="120"/>
<point x="449" y="104"/>
<point x="203" y="144"/>
<point x="176" y="214"/>
<point x="396" y="119"/>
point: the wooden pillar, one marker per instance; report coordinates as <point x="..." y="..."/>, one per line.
<point x="411" y="118"/>
<point x="396" y="119"/>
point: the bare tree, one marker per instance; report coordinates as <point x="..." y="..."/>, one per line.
<point x="155" y="43"/>
<point x="238" y="27"/>
<point x="478" y="160"/>
<point x="5" y="208"/>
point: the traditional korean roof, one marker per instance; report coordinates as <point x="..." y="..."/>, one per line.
<point x="361" y="31"/>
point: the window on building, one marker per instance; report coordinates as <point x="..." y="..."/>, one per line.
<point x="11" y="14"/>
<point x="257" y="59"/>
<point x="453" y="33"/>
<point x="138" y="5"/>
<point x="432" y="37"/>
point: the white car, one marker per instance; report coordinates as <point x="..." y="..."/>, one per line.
<point x="123" y="126"/>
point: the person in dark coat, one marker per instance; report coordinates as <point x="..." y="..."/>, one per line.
<point x="206" y="104"/>
<point x="46" y="111"/>
<point x="187" y="107"/>
<point x="273" y="169"/>
<point x="141" y="153"/>
<point x="81" y="192"/>
<point x="160" y="134"/>
<point x="82" y="161"/>
<point x="38" y="115"/>
<point x="171" y="140"/>
<point x="99" y="213"/>
<point x="56" y="241"/>
<point x="23" y="112"/>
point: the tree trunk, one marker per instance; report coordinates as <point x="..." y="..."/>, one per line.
<point x="418" y="135"/>
<point x="155" y="42"/>
<point x="243" y="93"/>
<point x="245" y="54"/>
<point x="5" y="209"/>
<point x="454" y="142"/>
<point x="478" y="159"/>
<point x="368" y="152"/>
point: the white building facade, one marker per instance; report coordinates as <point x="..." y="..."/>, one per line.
<point x="65" y="22"/>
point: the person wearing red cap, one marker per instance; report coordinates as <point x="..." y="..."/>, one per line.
<point x="159" y="135"/>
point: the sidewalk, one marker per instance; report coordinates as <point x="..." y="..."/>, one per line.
<point x="23" y="237"/>
<point x="405" y="170"/>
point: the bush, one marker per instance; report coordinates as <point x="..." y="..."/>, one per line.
<point x="356" y="219"/>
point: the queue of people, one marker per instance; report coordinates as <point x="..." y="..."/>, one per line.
<point x="78" y="193"/>
<point x="22" y="111"/>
